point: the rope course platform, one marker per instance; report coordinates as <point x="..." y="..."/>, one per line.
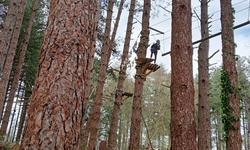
<point x="144" y="67"/>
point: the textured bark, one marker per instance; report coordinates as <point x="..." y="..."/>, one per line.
<point x="204" y="126"/>
<point x="94" y="119"/>
<point x="121" y="79"/>
<point x="11" y="49"/>
<point x="7" y="31"/>
<point x="55" y="112"/>
<point x="233" y="141"/>
<point x="18" y="69"/>
<point x="183" y="131"/>
<point x="135" y="130"/>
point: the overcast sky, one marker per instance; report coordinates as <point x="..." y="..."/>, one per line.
<point x="161" y="20"/>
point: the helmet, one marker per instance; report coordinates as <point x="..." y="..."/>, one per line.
<point x="158" y="41"/>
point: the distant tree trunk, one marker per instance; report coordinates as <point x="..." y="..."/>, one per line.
<point x="18" y="97"/>
<point x="11" y="50"/>
<point x="18" y="69"/>
<point x="121" y="79"/>
<point x="7" y="31"/>
<point x="134" y="141"/>
<point x="243" y="116"/>
<point x="23" y="114"/>
<point x="233" y="140"/>
<point x="218" y="127"/>
<point x="55" y="111"/>
<point x="204" y="127"/>
<point x="120" y="134"/>
<point x="95" y="114"/>
<point x="248" y="121"/>
<point x="183" y="131"/>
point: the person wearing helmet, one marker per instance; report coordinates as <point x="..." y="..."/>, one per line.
<point x="154" y="49"/>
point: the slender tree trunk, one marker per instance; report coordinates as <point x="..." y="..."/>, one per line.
<point x="122" y="76"/>
<point x="94" y="119"/>
<point x="18" y="69"/>
<point x="233" y="140"/>
<point x="120" y="135"/>
<point x="18" y="96"/>
<point x="218" y="132"/>
<point x="134" y="141"/>
<point x="243" y="116"/>
<point x="55" y="112"/>
<point x="248" y="122"/>
<point x="11" y="54"/>
<point x="204" y="127"/>
<point x="23" y="114"/>
<point x="7" y="31"/>
<point x="183" y="134"/>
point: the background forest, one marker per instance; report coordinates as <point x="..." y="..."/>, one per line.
<point x="109" y="108"/>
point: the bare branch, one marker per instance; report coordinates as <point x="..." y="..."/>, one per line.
<point x="197" y="15"/>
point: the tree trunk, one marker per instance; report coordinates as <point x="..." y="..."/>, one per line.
<point x="18" y="69"/>
<point x="219" y="144"/>
<point x="23" y="115"/>
<point x="55" y="112"/>
<point x="243" y="116"/>
<point x="183" y="134"/>
<point x="94" y="118"/>
<point x="134" y="141"/>
<point x="233" y="140"/>
<point x="122" y="76"/>
<point x="248" y="122"/>
<point x="204" y="127"/>
<point x="11" y="53"/>
<point x="6" y="34"/>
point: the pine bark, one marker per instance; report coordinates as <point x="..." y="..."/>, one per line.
<point x="18" y="69"/>
<point x="94" y="119"/>
<point x="7" y="31"/>
<point x="11" y="50"/>
<point x="135" y="130"/>
<point x="183" y="130"/>
<point x="233" y="141"/>
<point x="55" y="111"/>
<point x="204" y="126"/>
<point x="121" y="79"/>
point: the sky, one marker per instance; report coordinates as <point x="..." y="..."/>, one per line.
<point x="161" y="20"/>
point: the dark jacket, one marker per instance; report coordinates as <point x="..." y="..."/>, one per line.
<point x="155" y="47"/>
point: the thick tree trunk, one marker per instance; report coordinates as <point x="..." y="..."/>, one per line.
<point x="183" y="131"/>
<point x="204" y="127"/>
<point x="94" y="119"/>
<point x="122" y="76"/>
<point x="55" y="112"/>
<point x="18" y="69"/>
<point x="233" y="142"/>
<point x="6" y="34"/>
<point x="134" y="141"/>
<point x="11" y="50"/>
